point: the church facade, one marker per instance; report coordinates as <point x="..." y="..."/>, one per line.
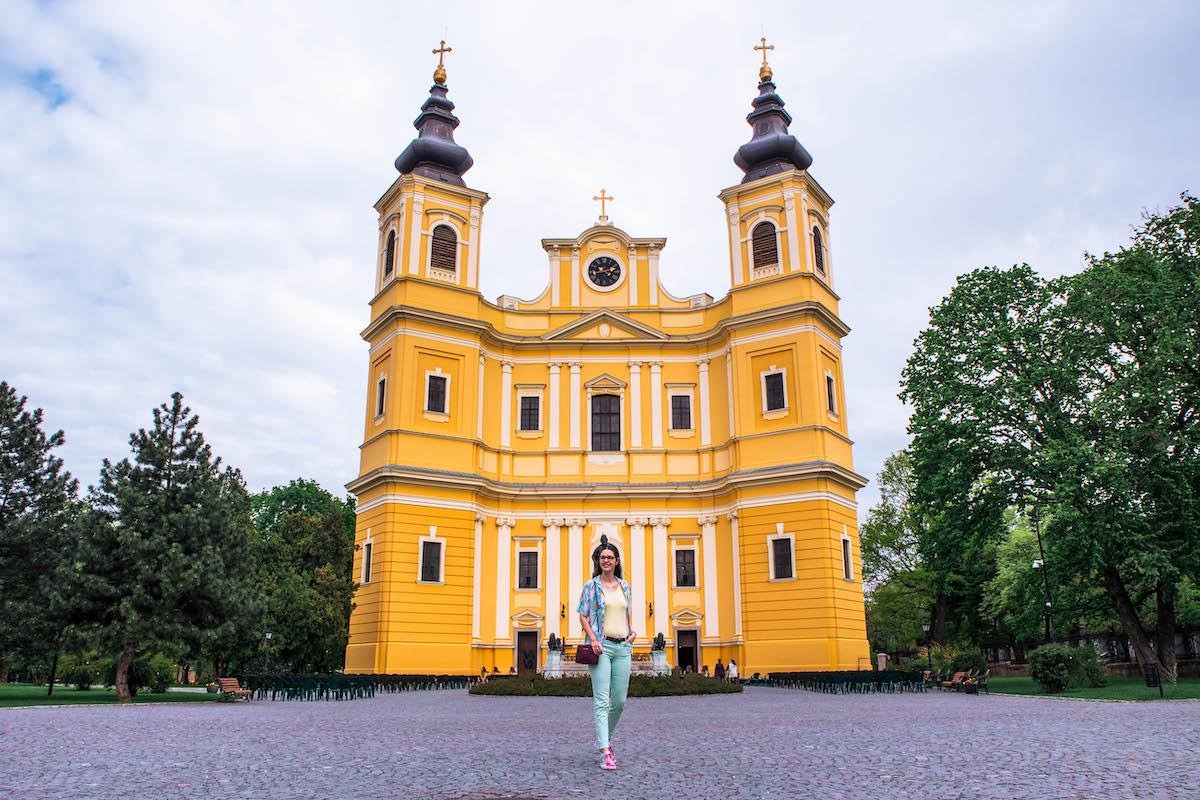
<point x="706" y="438"/>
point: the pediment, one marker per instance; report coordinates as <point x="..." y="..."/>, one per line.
<point x="687" y="616"/>
<point x="528" y="618"/>
<point x="605" y="381"/>
<point x="591" y="326"/>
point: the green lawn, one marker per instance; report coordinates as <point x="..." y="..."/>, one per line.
<point x="1117" y="689"/>
<point x="25" y="694"/>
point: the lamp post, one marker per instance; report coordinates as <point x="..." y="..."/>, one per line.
<point x="267" y="653"/>
<point x="928" y="646"/>
<point x="1040" y="563"/>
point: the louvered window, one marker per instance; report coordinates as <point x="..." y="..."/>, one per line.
<point x="606" y="423"/>
<point x="818" y="250"/>
<point x="389" y="256"/>
<point x="443" y="251"/>
<point x="766" y="250"/>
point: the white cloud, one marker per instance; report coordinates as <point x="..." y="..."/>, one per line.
<point x="197" y="214"/>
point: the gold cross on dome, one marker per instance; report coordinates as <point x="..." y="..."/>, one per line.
<point x="442" y="50"/>
<point x="764" y="47"/>
<point x="603" y="200"/>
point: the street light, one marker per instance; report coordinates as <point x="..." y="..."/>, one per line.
<point x="267" y="653"/>
<point x="928" y="647"/>
<point x="1040" y="564"/>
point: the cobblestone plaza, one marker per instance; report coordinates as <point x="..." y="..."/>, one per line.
<point x="766" y="743"/>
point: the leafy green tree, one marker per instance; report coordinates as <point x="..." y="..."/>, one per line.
<point x="303" y="554"/>
<point x="36" y="535"/>
<point x="166" y="550"/>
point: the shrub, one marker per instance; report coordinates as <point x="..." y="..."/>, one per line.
<point x="161" y="673"/>
<point x="1050" y="666"/>
<point x="1087" y="670"/>
<point x="968" y="660"/>
<point x="139" y="674"/>
<point x="639" y="686"/>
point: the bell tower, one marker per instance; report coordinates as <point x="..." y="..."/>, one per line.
<point x="778" y="216"/>
<point x="429" y="219"/>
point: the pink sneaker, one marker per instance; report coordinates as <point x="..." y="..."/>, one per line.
<point x="608" y="762"/>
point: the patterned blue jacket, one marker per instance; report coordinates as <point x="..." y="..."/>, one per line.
<point x="591" y="603"/>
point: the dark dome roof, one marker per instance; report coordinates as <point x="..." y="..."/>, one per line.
<point x="771" y="149"/>
<point x="434" y="153"/>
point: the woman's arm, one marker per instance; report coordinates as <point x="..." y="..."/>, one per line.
<point x="587" y="627"/>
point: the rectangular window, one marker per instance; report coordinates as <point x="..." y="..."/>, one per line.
<point x="776" y="397"/>
<point x="847" y="564"/>
<point x="781" y="555"/>
<point x="829" y="394"/>
<point x="380" y="396"/>
<point x="431" y="562"/>
<point x="606" y="423"/>
<point x="685" y="568"/>
<point x="366" y="563"/>
<point x="527" y="569"/>
<point x="435" y="399"/>
<point x="681" y="412"/>
<point x="531" y="416"/>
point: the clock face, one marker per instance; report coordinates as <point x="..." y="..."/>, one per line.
<point x="604" y="271"/>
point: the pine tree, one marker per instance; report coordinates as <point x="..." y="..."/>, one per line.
<point x="166" y="553"/>
<point x="36" y="496"/>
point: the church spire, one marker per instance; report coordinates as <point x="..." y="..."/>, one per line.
<point x="434" y="153"/>
<point x="771" y="149"/>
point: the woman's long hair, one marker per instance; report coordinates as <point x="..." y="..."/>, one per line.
<point x="605" y="545"/>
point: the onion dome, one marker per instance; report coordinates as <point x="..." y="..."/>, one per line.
<point x="771" y="149"/>
<point x="434" y="153"/>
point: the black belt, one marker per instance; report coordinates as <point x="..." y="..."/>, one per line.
<point x="616" y="639"/>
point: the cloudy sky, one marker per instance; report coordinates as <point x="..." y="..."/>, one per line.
<point x="186" y="190"/>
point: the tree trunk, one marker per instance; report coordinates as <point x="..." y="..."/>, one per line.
<point x="122" y="679"/>
<point x="940" y="605"/>
<point x="1167" y="624"/>
<point x="53" y="672"/>
<point x="1128" y="616"/>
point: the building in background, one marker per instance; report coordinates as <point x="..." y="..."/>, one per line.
<point x="707" y="439"/>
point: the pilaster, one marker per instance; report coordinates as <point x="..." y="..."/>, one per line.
<point x="708" y="542"/>
<point x="504" y="526"/>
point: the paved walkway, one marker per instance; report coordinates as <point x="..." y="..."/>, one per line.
<point x="766" y="743"/>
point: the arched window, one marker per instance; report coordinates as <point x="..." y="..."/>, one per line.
<point x="389" y="256"/>
<point x="443" y="252"/>
<point x="606" y="422"/>
<point x="763" y="245"/>
<point x="818" y="250"/>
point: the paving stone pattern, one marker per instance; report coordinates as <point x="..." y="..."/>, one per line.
<point x="766" y="743"/>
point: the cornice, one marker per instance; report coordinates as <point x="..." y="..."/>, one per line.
<point x="446" y="479"/>
<point x="799" y="176"/>
<point x="412" y="180"/>
<point x="488" y="334"/>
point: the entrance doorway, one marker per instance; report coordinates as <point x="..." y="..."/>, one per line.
<point x="687" y="650"/>
<point x="527" y="652"/>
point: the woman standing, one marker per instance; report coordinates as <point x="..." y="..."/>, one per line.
<point x="604" y="611"/>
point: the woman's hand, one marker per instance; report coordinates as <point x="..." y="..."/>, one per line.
<point x="629" y="639"/>
<point x="597" y="648"/>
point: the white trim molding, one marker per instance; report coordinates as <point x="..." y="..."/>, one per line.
<point x="774" y="413"/>
<point x="791" y="540"/>
<point x="441" y="542"/>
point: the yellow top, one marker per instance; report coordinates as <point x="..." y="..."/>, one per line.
<point x="616" y="622"/>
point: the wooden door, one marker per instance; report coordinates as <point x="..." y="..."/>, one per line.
<point x="527" y="652"/>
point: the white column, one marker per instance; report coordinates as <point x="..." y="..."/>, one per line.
<point x="708" y="542"/>
<point x="479" y="420"/>
<point x="414" y="234"/>
<point x="477" y="575"/>
<point x="635" y="558"/>
<point x="552" y="589"/>
<point x="574" y="575"/>
<point x="506" y="404"/>
<point x="812" y="267"/>
<point x="789" y="204"/>
<point x="635" y="404"/>
<point x="705" y="417"/>
<point x="555" y="405"/>
<point x="633" y="277"/>
<point x="574" y="276"/>
<point x="736" y="552"/>
<point x="555" y="270"/>
<point x="652" y="256"/>
<point x="473" y="255"/>
<point x="661" y="567"/>
<point x="574" y="389"/>
<point x="735" y="244"/>
<point x="729" y="390"/>
<point x="504" y="526"/>
<point x="656" y="423"/>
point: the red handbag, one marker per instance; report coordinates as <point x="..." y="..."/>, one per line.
<point x="584" y="654"/>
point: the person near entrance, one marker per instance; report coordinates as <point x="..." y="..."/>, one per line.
<point x="605" y="610"/>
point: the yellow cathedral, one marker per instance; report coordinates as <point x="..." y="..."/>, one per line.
<point x="706" y="438"/>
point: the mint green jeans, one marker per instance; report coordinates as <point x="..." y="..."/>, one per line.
<point x="610" y="686"/>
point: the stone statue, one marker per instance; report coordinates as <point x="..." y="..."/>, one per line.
<point x="554" y="643"/>
<point x="660" y="642"/>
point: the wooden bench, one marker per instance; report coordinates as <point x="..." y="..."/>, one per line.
<point x="232" y="687"/>
<point x="954" y="682"/>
